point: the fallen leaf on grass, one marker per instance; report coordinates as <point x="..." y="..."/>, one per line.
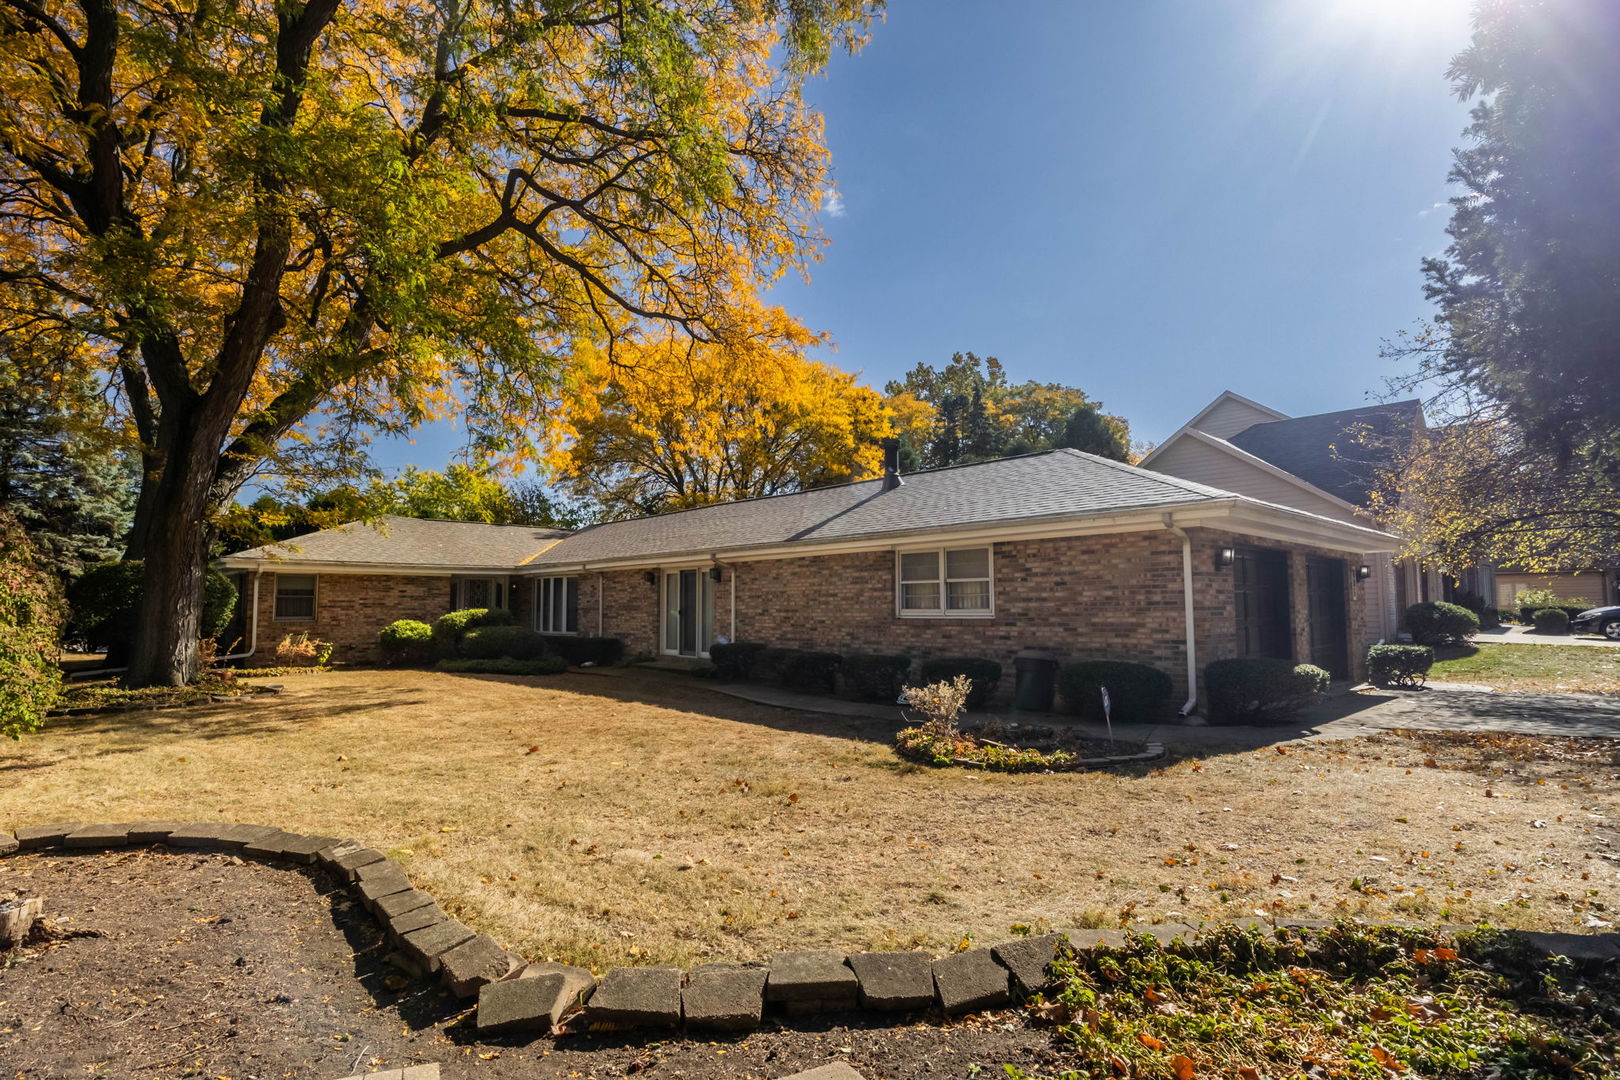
<point x="1149" y="1041"/>
<point x="1248" y="1072"/>
<point x="1183" y="1067"/>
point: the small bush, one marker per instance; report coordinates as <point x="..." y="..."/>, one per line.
<point x="735" y="659"/>
<point x="1136" y="692"/>
<point x="771" y="661"/>
<point x="301" y="650"/>
<point x="105" y="603"/>
<point x="1399" y="665"/>
<point x="406" y="641"/>
<point x="1261" y="690"/>
<point x="448" y="630"/>
<point x="810" y="672"/>
<point x="1436" y="622"/>
<point x="1535" y="599"/>
<point x="1551" y="620"/>
<point x="874" y="676"/>
<point x="30" y="633"/>
<point x="578" y="650"/>
<point x="502" y="643"/>
<point x="985" y="675"/>
<point x="942" y="703"/>
<point x="544" y="665"/>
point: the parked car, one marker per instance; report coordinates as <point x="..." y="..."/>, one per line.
<point x="1598" y="620"/>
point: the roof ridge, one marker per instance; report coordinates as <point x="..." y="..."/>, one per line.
<point x="1377" y="406"/>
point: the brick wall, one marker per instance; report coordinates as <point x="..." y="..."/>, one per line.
<point x="350" y="610"/>
<point x="1116" y="597"/>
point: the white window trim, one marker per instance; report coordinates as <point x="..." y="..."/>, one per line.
<point x="942" y="612"/>
<point x="663" y="605"/>
<point x="538" y="609"/>
<point x="314" y="601"/>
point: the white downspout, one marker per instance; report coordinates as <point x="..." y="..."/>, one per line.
<point x="601" y="586"/>
<point x="733" y="577"/>
<point x="1191" y="705"/>
<point x="252" y="625"/>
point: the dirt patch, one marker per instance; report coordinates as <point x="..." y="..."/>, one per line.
<point x="188" y="965"/>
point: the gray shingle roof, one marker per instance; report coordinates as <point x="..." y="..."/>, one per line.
<point x="402" y="541"/>
<point x="1056" y="483"/>
<point x="1339" y="452"/>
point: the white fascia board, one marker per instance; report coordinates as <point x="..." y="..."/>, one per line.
<point x="1236" y="514"/>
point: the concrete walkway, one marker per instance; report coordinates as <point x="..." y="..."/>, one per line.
<point x="1526" y="635"/>
<point x="1346" y="715"/>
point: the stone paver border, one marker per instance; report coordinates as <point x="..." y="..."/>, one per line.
<point x="709" y="999"/>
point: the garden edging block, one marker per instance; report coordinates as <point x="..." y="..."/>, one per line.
<point x="1029" y="961"/>
<point x="814" y="980"/>
<point x="97" y="836"/>
<point x="8" y="844"/>
<point x="972" y="980"/>
<point x="637" y="997"/>
<point x="431" y="942"/>
<point x="724" y="997"/>
<point x="35" y="837"/>
<point x="894" y="982"/>
<point x="466" y="968"/>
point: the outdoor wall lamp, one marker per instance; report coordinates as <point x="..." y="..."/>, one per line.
<point x="1225" y="557"/>
<point x="714" y="573"/>
<point x="1363" y="572"/>
<point x="650" y="577"/>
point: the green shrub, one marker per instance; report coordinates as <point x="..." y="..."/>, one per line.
<point x="1535" y="599"/>
<point x="1399" y="665"/>
<point x="985" y="675"/>
<point x="544" y="665"/>
<point x="578" y="650"/>
<point x="406" y="641"/>
<point x="874" y="676"/>
<point x="106" y="604"/>
<point x="502" y="643"/>
<point x="1261" y="690"/>
<point x="30" y="633"/>
<point x="735" y="659"/>
<point x="1136" y="692"/>
<point x="810" y="672"/>
<point x="1551" y="620"/>
<point x="1436" y="622"/>
<point x="770" y="661"/>
<point x="1528" y="615"/>
<point x="448" y="630"/>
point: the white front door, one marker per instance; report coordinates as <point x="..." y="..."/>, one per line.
<point x="688" y="612"/>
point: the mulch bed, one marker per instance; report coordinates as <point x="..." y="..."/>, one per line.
<point x="162" y="964"/>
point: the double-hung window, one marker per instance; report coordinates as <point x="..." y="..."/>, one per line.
<point x="295" y="597"/>
<point x="945" y="582"/>
<point x="556" y="605"/>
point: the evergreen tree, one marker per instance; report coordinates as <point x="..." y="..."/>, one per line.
<point x="61" y="476"/>
<point x="1089" y="430"/>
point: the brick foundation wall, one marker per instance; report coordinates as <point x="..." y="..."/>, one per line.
<point x="350" y="610"/>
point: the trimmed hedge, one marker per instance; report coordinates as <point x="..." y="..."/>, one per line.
<point x="545" y="665"/>
<point x="985" y="674"/>
<point x="1261" y="690"/>
<point x="1551" y="620"/>
<point x="1399" y="665"/>
<point x="810" y="672"/>
<point x="1436" y="622"/>
<point x="578" y="650"/>
<point x="771" y="661"/>
<point x="449" y="629"/>
<point x="735" y="659"/>
<point x="406" y="641"/>
<point x="874" y="676"/>
<point x="1136" y="692"/>
<point x="1527" y="615"/>
<point x="502" y="643"/>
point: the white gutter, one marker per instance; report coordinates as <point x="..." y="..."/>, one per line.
<point x="1191" y="704"/>
<point x="252" y="625"/>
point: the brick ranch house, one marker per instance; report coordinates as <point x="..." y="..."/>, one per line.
<point x="1058" y="550"/>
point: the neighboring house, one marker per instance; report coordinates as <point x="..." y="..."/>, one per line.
<point x="1326" y="464"/>
<point x="1059" y="550"/>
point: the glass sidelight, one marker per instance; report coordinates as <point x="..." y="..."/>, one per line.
<point x="688" y="612"/>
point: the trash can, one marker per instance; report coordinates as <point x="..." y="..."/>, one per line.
<point x="1036" y="680"/>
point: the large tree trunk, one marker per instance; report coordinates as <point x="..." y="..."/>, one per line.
<point x="172" y="539"/>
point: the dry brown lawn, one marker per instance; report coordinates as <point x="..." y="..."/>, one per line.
<point x="643" y="817"/>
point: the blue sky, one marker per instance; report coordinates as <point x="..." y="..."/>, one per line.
<point x="1153" y="200"/>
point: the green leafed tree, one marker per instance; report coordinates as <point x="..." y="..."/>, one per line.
<point x="278" y="226"/>
<point x="30" y="632"/>
<point x="968" y="411"/>
<point x="1522" y="363"/>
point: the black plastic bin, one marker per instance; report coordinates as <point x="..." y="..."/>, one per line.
<point x="1036" y="681"/>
